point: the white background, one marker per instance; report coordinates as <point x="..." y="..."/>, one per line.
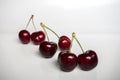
<point x="97" y="26"/>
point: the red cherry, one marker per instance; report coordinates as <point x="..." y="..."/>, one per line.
<point x="64" y="43"/>
<point x="48" y="49"/>
<point x="88" y="60"/>
<point x="38" y="37"/>
<point x="67" y="61"/>
<point x="24" y="36"/>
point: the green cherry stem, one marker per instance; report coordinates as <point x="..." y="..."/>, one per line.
<point x="74" y="36"/>
<point x="44" y="26"/>
<point x="52" y="31"/>
<point x="29" y="21"/>
<point x="31" y="18"/>
<point x="71" y="43"/>
<point x="34" y="24"/>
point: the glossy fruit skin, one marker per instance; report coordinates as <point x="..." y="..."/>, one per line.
<point x="88" y="60"/>
<point x="67" y="61"/>
<point x="48" y="49"/>
<point x="64" y="43"/>
<point x="38" y="37"/>
<point x="24" y="36"/>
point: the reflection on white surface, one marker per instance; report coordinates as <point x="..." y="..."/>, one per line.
<point x="73" y="4"/>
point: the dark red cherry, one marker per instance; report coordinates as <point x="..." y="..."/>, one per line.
<point x="64" y="43"/>
<point x="88" y="60"/>
<point x="48" y="49"/>
<point x="24" y="36"/>
<point x="67" y="61"/>
<point x="38" y="37"/>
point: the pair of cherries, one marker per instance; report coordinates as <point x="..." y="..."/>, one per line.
<point x="67" y="60"/>
<point x="37" y="37"/>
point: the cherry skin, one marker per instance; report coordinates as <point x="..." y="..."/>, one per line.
<point x="64" y="43"/>
<point x="67" y="61"/>
<point x="38" y="37"/>
<point x="48" y="49"/>
<point x="88" y="60"/>
<point x="24" y="36"/>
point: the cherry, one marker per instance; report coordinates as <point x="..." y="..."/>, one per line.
<point x="64" y="43"/>
<point x="48" y="49"/>
<point x="88" y="60"/>
<point x="67" y="61"/>
<point x="38" y="37"/>
<point x="24" y="36"/>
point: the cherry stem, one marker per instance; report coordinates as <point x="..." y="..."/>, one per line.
<point x="29" y="21"/>
<point x="71" y="44"/>
<point x="34" y="24"/>
<point x="31" y="18"/>
<point x="74" y="36"/>
<point x="44" y="26"/>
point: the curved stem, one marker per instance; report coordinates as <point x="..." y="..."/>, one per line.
<point x="43" y="26"/>
<point x="74" y="36"/>
<point x="52" y="31"/>
<point x="49" y="29"/>
<point x="34" y="24"/>
<point x="71" y="44"/>
<point x="29" y="21"/>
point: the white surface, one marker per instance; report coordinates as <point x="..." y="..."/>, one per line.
<point x="97" y="26"/>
